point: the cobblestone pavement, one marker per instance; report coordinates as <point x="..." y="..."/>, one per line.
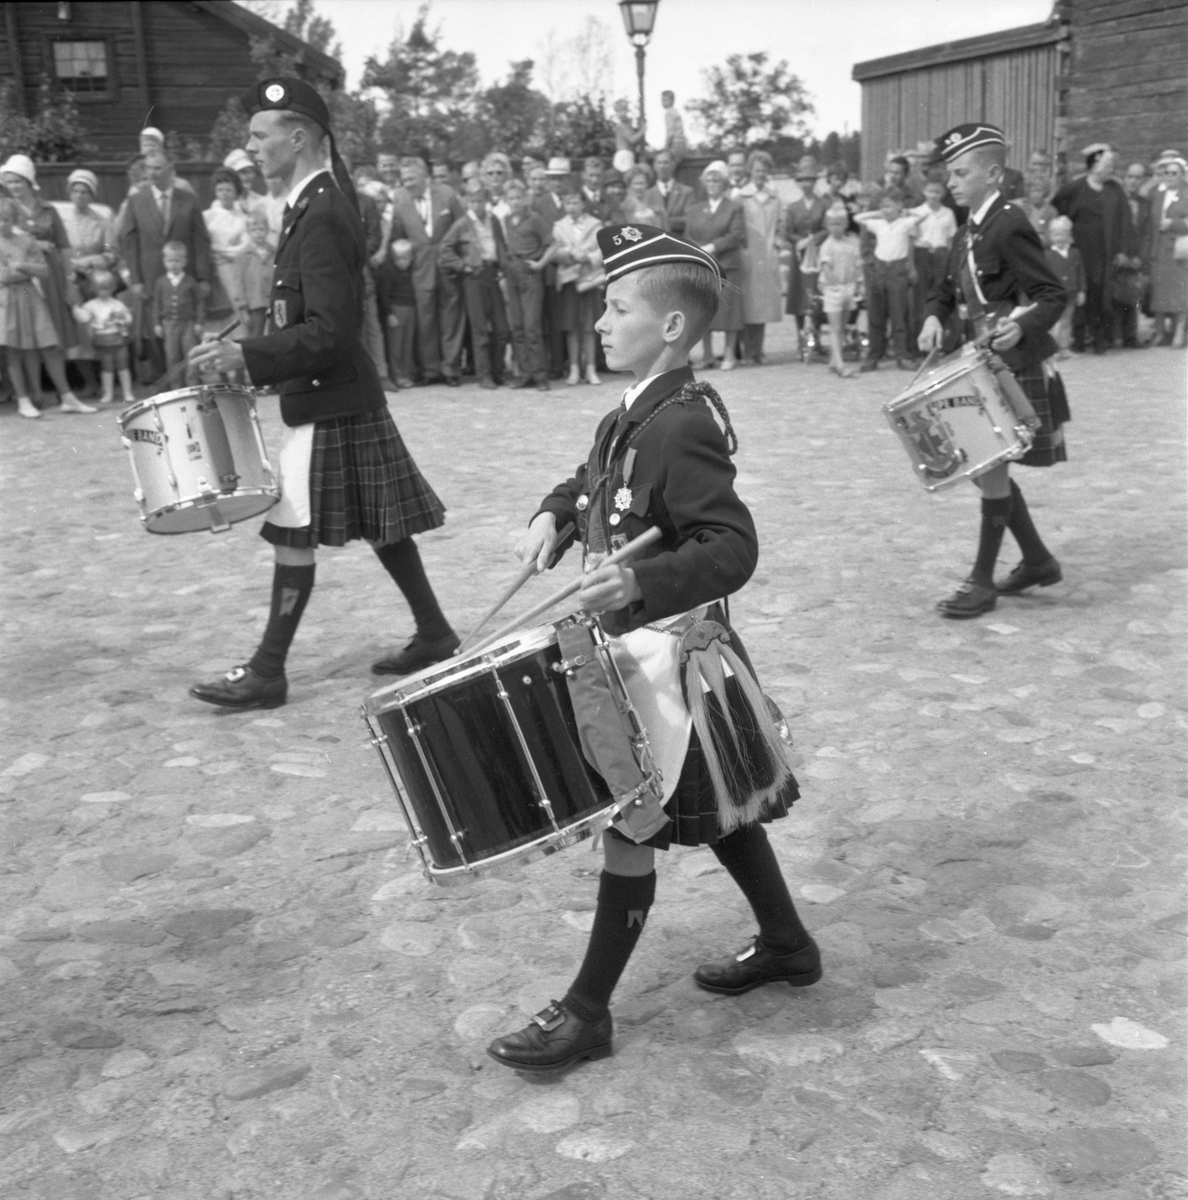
<point x="222" y="975"/>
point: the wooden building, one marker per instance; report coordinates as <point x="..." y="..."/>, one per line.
<point x="1098" y="70"/>
<point x="168" y="63"/>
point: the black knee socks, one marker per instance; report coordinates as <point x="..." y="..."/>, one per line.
<point x="1024" y="532"/>
<point x="291" y="587"/>
<point x="747" y="855"/>
<point x="623" y="903"/>
<point x="402" y="560"/>
<point x="996" y="514"/>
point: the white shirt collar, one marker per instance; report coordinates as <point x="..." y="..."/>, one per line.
<point x="176" y="279"/>
<point x="302" y="184"/>
<point x="637" y="389"/>
<point x="976" y="218"/>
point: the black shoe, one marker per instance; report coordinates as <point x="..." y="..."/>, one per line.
<point x="241" y="687"/>
<point x="555" y="1039"/>
<point x="971" y="599"/>
<point x="1031" y="575"/>
<point x="431" y="380"/>
<point x="524" y="381"/>
<point x="417" y="654"/>
<point x="756" y="965"/>
<point x="487" y="382"/>
<point x="452" y="381"/>
<point x="870" y="364"/>
<point x="543" y="385"/>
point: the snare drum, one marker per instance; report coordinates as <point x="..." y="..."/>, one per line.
<point x="485" y="758"/>
<point x="965" y="416"/>
<point x="198" y="460"/>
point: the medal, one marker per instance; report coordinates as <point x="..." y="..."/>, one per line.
<point x="583" y="502"/>
<point x="615" y="518"/>
<point x="623" y="499"/>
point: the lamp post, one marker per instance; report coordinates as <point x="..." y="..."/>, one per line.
<point x="639" y="19"/>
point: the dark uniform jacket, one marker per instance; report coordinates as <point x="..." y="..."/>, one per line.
<point x="682" y="480"/>
<point x="1011" y="271"/>
<point x="316" y="354"/>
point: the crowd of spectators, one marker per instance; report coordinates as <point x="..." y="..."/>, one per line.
<point x="493" y="270"/>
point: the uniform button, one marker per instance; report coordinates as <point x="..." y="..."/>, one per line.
<point x="315" y="382"/>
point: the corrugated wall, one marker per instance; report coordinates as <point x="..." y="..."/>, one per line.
<point x="1016" y="90"/>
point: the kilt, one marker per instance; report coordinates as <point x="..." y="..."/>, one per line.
<point x="693" y="808"/>
<point x="363" y="483"/>
<point x="1048" y="398"/>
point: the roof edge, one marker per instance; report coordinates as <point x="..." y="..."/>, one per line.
<point x="1022" y="37"/>
<point x="248" y="22"/>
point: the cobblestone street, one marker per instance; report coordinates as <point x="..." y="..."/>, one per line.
<point x="223" y="976"/>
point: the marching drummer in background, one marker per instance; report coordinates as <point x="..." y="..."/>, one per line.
<point x="345" y="472"/>
<point x="661" y="460"/>
<point x="998" y="279"/>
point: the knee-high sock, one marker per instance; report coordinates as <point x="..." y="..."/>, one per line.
<point x="996" y="514"/>
<point x="402" y="560"/>
<point x="623" y="903"/>
<point x="1030" y="543"/>
<point x="747" y="855"/>
<point x="291" y="587"/>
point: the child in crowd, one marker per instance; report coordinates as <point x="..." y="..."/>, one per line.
<point x="398" y="310"/>
<point x="257" y="271"/>
<point x="1035" y="204"/>
<point x="839" y="277"/>
<point x="178" y="308"/>
<point x="892" y="273"/>
<point x="26" y="326"/>
<point x="664" y="463"/>
<point x="575" y="250"/>
<point x="110" y="323"/>
<point x="472" y="250"/>
<point x="936" y="227"/>
<point x="1064" y="261"/>
<point x="528" y="238"/>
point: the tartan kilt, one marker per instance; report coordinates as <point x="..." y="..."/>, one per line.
<point x="1050" y="402"/>
<point x="363" y="483"/>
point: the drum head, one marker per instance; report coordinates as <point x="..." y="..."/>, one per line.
<point x="192" y="517"/>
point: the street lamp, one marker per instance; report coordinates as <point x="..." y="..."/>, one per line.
<point x="639" y="19"/>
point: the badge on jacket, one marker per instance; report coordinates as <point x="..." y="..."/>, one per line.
<point x="280" y="313"/>
<point x="623" y="499"/>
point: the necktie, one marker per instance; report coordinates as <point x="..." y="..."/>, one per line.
<point x="163" y="204"/>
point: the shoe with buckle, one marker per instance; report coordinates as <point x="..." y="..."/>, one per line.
<point x="417" y="654"/>
<point x="1025" y="576"/>
<point x="241" y="687"/>
<point x="555" y="1038"/>
<point x="971" y="599"/>
<point x="755" y="965"/>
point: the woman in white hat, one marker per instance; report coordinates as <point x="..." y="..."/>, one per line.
<point x="40" y="221"/>
<point x="90" y="229"/>
<point x="1169" y="226"/>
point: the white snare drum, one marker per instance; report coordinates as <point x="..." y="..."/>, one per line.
<point x="198" y="460"/>
<point x="965" y="416"/>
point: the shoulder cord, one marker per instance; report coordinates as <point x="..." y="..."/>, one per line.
<point x="691" y="391"/>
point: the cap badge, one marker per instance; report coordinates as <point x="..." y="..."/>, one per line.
<point x="627" y="234"/>
<point x="274" y="93"/>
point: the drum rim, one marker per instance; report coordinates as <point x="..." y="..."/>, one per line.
<point x="428" y="681"/>
<point x="164" y="399"/>
<point x="944" y="372"/>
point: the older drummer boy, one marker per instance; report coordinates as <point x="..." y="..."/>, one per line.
<point x="345" y="471"/>
<point x="661" y="460"/>
<point x="998" y="276"/>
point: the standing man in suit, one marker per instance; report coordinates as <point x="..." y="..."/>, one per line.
<point x="345" y="471"/>
<point x="161" y="212"/>
<point x="423" y="213"/>
<point x="669" y="195"/>
<point x="592" y="171"/>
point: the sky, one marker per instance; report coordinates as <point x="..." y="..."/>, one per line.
<point x="821" y="39"/>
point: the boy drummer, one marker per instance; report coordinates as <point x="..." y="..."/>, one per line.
<point x="661" y="460"/>
<point x="997" y="269"/>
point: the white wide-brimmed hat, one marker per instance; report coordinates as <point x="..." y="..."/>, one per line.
<point x="22" y="165"/>
<point x="558" y="166"/>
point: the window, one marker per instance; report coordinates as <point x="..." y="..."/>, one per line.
<point x="81" y="67"/>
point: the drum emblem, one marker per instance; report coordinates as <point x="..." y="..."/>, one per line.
<point x="194" y="451"/>
<point x="280" y="315"/>
<point x="939" y="454"/>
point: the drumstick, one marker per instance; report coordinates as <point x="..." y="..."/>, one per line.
<point x="925" y="365"/>
<point x="172" y="374"/>
<point x="525" y="574"/>
<point x="645" y="539"/>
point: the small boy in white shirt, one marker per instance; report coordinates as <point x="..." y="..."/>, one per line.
<point x="892" y="275"/>
<point x="110" y="322"/>
<point x="936" y="227"/>
<point x="840" y="280"/>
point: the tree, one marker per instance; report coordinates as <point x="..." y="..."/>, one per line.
<point x="317" y="31"/>
<point x="748" y="102"/>
<point x="55" y="134"/>
<point x="583" y="65"/>
<point x="582" y="127"/>
<point x="430" y="91"/>
<point x="515" y="114"/>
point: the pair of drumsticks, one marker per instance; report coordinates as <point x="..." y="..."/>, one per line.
<point x="528" y="570"/>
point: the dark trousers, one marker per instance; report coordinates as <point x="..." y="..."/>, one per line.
<point x="488" y="320"/>
<point x="401" y="342"/>
<point x="525" y="296"/>
<point x="554" y="337"/>
<point x="887" y="286"/>
<point x="441" y="326"/>
<point x="179" y="339"/>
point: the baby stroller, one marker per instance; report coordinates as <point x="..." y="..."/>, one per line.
<point x="814" y="337"/>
